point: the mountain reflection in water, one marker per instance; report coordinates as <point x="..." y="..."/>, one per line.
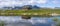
<point x="18" y="21"/>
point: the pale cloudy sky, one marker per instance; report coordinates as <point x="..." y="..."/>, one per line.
<point x="41" y="3"/>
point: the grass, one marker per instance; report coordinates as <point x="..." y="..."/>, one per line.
<point x="57" y="21"/>
<point x="29" y="12"/>
<point x="1" y="23"/>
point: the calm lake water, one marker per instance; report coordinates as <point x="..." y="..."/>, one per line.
<point x="34" y="21"/>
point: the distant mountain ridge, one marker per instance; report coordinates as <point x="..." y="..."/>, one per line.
<point x="18" y="7"/>
<point x="21" y="7"/>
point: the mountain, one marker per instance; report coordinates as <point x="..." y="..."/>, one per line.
<point x="21" y="7"/>
<point x="12" y="8"/>
<point x="7" y="8"/>
<point x="27" y="7"/>
<point x="57" y="8"/>
<point x="31" y="7"/>
<point x="16" y="8"/>
<point x="35" y="7"/>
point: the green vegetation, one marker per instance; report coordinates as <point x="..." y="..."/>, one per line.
<point x="57" y="21"/>
<point x="41" y="12"/>
<point x="1" y="23"/>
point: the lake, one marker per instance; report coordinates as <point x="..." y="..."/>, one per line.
<point x="34" y="21"/>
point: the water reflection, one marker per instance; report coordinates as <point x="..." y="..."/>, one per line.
<point x="18" y="21"/>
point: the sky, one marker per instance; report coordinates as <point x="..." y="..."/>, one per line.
<point x="40" y="3"/>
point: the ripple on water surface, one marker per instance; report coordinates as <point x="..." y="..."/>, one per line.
<point x="18" y="21"/>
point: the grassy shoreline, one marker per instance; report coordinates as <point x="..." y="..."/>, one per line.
<point x="41" y="12"/>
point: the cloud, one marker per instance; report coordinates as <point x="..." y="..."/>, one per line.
<point x="21" y="2"/>
<point x="38" y="21"/>
<point x="42" y="1"/>
<point x="38" y="1"/>
<point x="56" y="1"/>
